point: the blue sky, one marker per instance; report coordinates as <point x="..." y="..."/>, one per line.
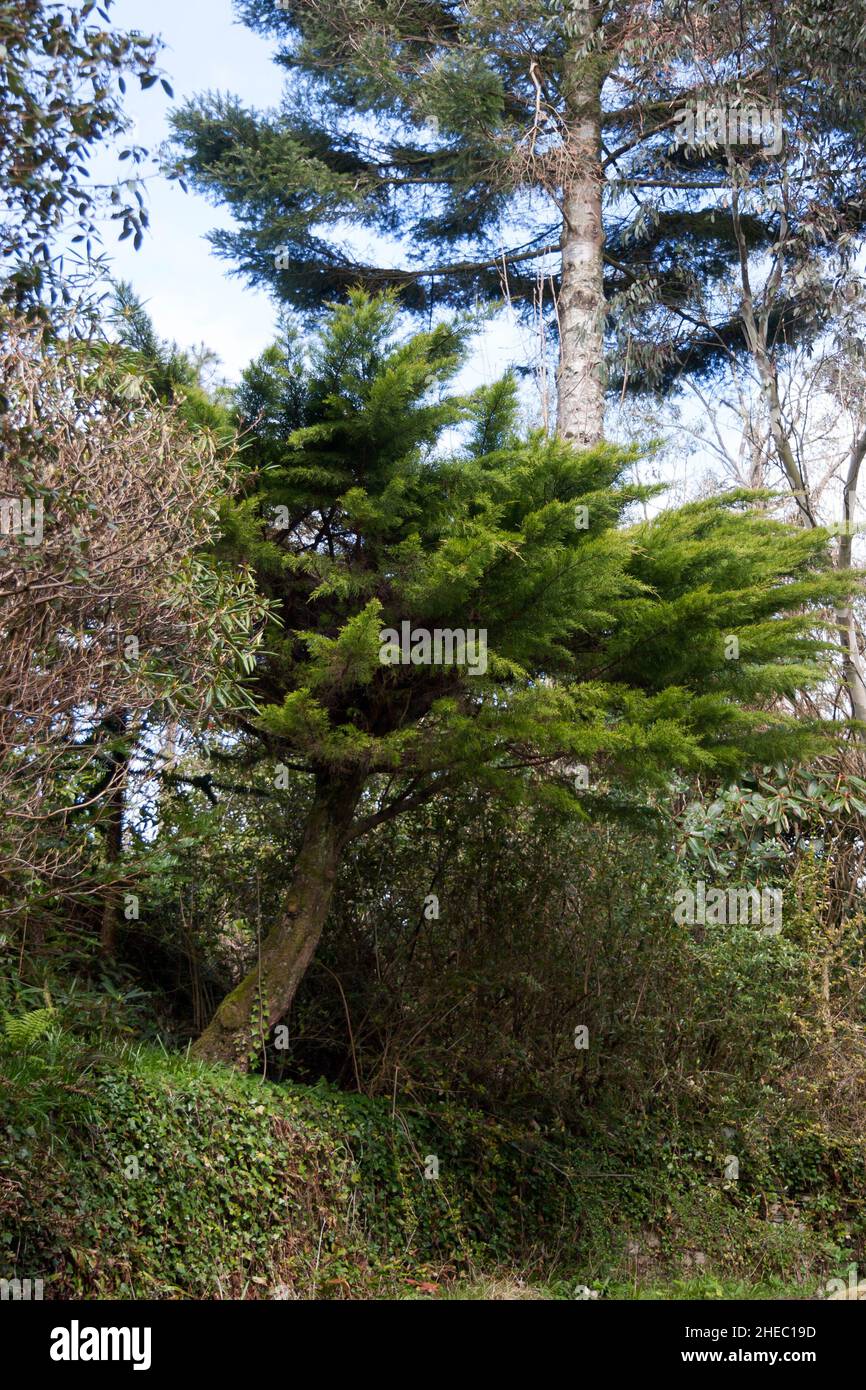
<point x="189" y="292"/>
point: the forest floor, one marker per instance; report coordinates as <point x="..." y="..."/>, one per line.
<point x="130" y="1172"/>
<point x="505" y="1289"/>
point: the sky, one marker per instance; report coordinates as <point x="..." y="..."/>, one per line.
<point x="189" y="293"/>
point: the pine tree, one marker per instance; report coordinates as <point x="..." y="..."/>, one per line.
<point x="382" y="513"/>
<point x="509" y="146"/>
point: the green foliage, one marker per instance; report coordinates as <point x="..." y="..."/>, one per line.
<point x="542" y="926"/>
<point x="23" y="1031"/>
<point x="451" y="135"/>
<point x="603" y="1167"/>
<point x="770" y="815"/>
<point x="62" y="79"/>
<point x="604" y="641"/>
<point x="170" y="1180"/>
<point x="174" y="375"/>
<point x="372" y="496"/>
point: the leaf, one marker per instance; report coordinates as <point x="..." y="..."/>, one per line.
<point x="28" y="1028"/>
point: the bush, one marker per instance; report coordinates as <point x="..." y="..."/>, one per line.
<point x="133" y="1174"/>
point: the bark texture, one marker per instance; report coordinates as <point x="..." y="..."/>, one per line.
<point x="852" y="661"/>
<point x="246" y="1015"/>
<point x="581" y="305"/>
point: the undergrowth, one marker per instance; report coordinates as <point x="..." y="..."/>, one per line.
<point x="131" y="1173"/>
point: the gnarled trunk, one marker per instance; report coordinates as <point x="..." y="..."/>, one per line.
<point x="265" y="995"/>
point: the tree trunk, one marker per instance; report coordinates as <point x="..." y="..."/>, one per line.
<point x="852" y="664"/>
<point x="852" y="672"/>
<point x="245" y="1016"/>
<point x="581" y="305"/>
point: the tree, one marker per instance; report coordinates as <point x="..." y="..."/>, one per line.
<point x="794" y="419"/>
<point x="177" y="375"/>
<point x="111" y="612"/>
<point x="62" y="80"/>
<point x="545" y="144"/>
<point x="475" y="610"/>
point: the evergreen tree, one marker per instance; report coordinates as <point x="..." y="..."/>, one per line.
<point x="384" y="517"/>
<point x="505" y="146"/>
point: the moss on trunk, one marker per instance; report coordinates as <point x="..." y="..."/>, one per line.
<point x="243" y="1019"/>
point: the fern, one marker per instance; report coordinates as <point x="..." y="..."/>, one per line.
<point x="28" y="1028"/>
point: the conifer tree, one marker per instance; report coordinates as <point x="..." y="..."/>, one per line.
<point x="509" y="147"/>
<point x="457" y="602"/>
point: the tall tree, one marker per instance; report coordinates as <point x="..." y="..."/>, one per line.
<point x="508" y="147"/>
<point x="375" y="534"/>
